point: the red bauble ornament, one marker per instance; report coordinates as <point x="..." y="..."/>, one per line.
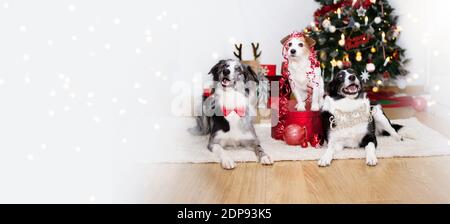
<point x="294" y="134"/>
<point x="304" y="144"/>
<point x="420" y="104"/>
<point x="315" y="142"/>
<point x="396" y="55"/>
<point x="347" y="64"/>
<point x="386" y="75"/>
<point x="346" y="20"/>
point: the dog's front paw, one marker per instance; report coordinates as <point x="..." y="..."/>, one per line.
<point x="315" y="107"/>
<point x="300" y="107"/>
<point x="325" y="160"/>
<point x="228" y="163"/>
<point x="371" y="160"/>
<point x="266" y="160"/>
<point x="398" y="138"/>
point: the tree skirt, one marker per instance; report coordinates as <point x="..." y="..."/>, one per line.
<point x="389" y="99"/>
<point x="192" y="149"/>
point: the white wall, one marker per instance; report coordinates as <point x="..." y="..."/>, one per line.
<point x="425" y="35"/>
<point x="85" y="86"/>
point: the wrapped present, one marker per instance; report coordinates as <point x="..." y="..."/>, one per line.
<point x="263" y="116"/>
<point x="253" y="64"/>
<point x="309" y="119"/>
<point x="268" y="70"/>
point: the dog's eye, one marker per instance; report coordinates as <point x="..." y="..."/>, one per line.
<point x="290" y="44"/>
<point x="300" y="44"/>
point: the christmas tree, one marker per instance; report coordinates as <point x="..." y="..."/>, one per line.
<point x="359" y="34"/>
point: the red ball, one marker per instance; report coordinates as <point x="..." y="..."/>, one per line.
<point x="347" y="64"/>
<point x="420" y="104"/>
<point x="294" y="134"/>
<point x="304" y="144"/>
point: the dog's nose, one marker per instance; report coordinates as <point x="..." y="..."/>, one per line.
<point x="226" y="72"/>
<point x="293" y="51"/>
<point x="352" y="78"/>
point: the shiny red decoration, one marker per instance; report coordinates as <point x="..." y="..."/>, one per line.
<point x="294" y="134"/>
<point x="315" y="142"/>
<point x="420" y="104"/>
<point x="355" y="42"/>
<point x="304" y="144"/>
<point x="347" y="64"/>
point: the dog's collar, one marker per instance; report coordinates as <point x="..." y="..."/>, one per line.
<point x="348" y="119"/>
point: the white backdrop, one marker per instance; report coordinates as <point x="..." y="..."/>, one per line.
<point x="86" y="86"/>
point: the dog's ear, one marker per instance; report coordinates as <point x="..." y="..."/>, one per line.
<point x="351" y="71"/>
<point x="285" y="39"/>
<point x="333" y="88"/>
<point x="216" y="69"/>
<point x="249" y="74"/>
<point x="335" y="84"/>
<point x="310" y="41"/>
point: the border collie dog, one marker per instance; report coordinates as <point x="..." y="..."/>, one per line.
<point x="304" y="73"/>
<point x="227" y="112"/>
<point x="351" y="121"/>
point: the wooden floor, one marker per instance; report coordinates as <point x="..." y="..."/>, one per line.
<point x="412" y="180"/>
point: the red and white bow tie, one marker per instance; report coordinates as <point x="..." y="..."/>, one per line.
<point x="238" y="110"/>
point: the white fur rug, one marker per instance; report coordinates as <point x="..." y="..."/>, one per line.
<point x="192" y="149"/>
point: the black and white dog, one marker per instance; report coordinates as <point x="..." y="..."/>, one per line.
<point x="350" y="121"/>
<point x="227" y="113"/>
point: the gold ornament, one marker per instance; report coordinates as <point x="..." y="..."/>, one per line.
<point x="339" y="64"/>
<point x="373" y="50"/>
<point x="333" y="62"/>
<point x="346" y="58"/>
<point x="342" y="40"/>
<point x="359" y="56"/>
<point x="375" y="89"/>
<point x="323" y="55"/>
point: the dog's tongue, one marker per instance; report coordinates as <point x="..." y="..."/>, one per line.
<point x="352" y="88"/>
<point x="225" y="82"/>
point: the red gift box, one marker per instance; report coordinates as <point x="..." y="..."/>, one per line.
<point x="309" y="119"/>
<point x="269" y="70"/>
